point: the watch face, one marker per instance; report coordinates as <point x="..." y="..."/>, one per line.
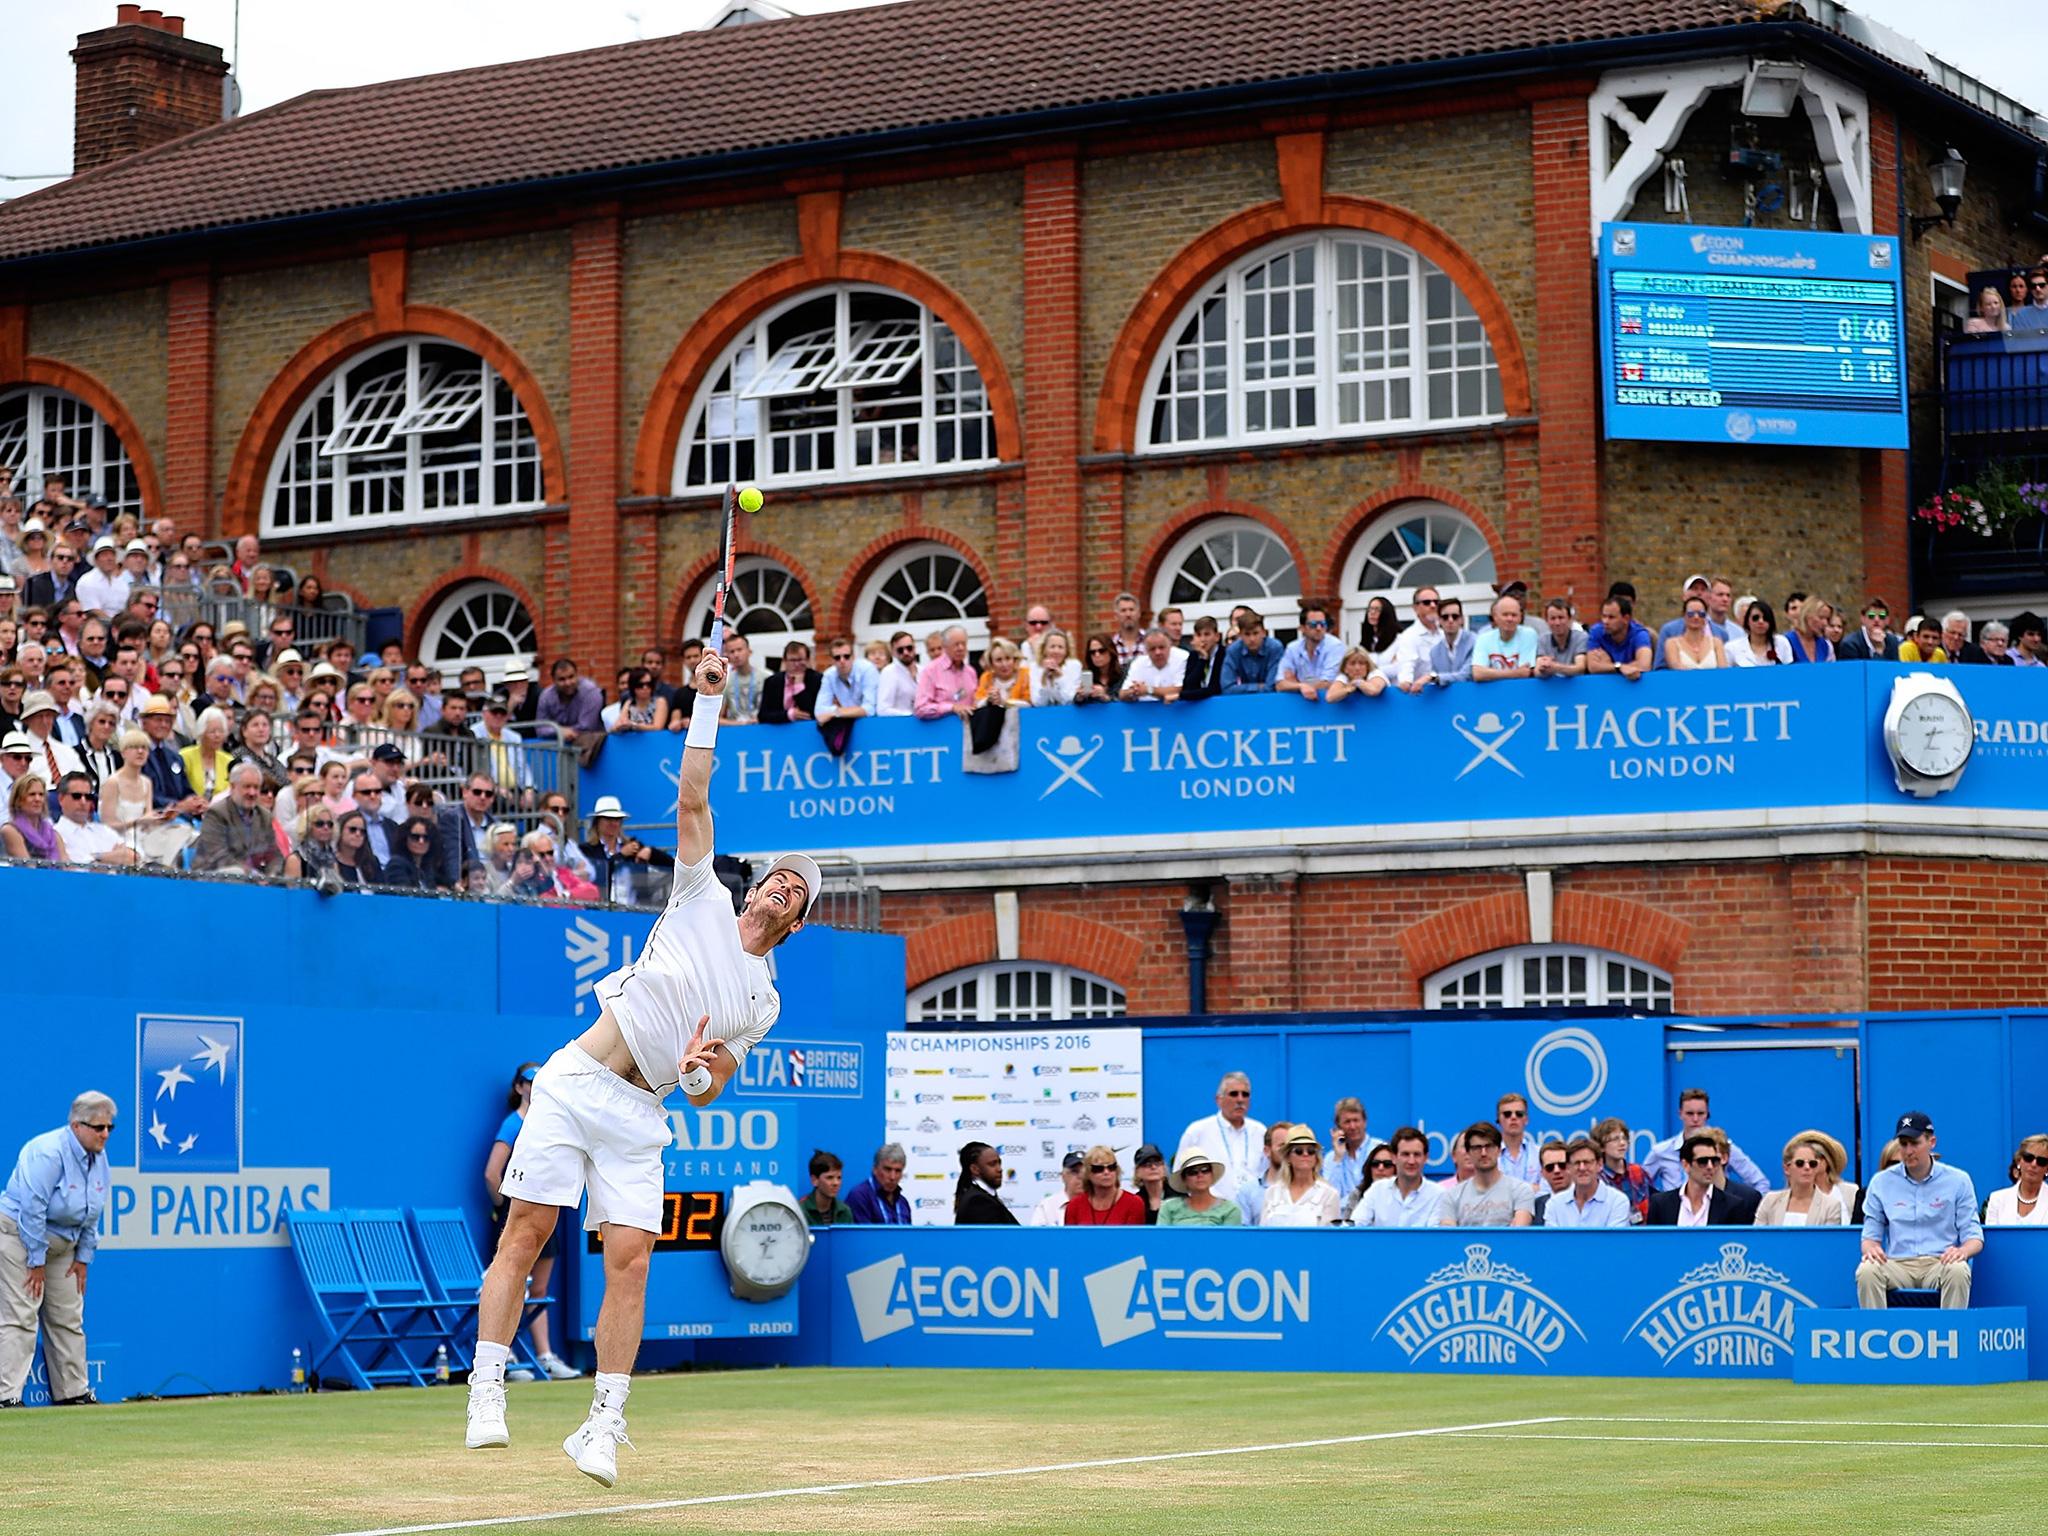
<point x="1934" y="735"/>
<point x="767" y="1244"/>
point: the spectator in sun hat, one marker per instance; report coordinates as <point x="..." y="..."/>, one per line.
<point x="1920" y="1225"/>
<point x="618" y="862"/>
<point x="105" y="586"/>
<point x="53" y="758"/>
<point x="1302" y="1197"/>
<point x="1195" y="1202"/>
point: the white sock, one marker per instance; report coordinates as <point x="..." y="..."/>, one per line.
<point x="612" y="1387"/>
<point x="489" y="1369"/>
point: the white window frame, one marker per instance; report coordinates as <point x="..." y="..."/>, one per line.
<point x="1461" y="333"/>
<point x="868" y="627"/>
<point x="1475" y="592"/>
<point x="1280" y="610"/>
<point x="748" y="572"/>
<point x="376" y="467"/>
<point x="1074" y="994"/>
<point x="105" y="469"/>
<point x="736" y="418"/>
<point x="1464" y="985"/>
<point x="494" y="664"/>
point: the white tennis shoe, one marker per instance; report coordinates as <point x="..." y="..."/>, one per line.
<point x="555" y="1368"/>
<point x="595" y="1446"/>
<point x="486" y="1416"/>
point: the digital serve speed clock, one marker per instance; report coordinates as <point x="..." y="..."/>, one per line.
<point x="692" y="1221"/>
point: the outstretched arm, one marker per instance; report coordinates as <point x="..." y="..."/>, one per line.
<point x="693" y="783"/>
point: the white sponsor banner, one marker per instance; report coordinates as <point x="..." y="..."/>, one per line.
<point x="1036" y="1094"/>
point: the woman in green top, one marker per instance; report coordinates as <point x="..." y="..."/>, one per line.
<point x="1195" y="1203"/>
<point x="822" y="1206"/>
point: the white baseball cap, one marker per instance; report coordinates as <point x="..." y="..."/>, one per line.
<point x="608" y="805"/>
<point x="805" y="868"/>
<point x="1694" y="581"/>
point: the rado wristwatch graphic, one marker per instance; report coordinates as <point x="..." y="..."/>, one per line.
<point x="1928" y="734"/>
<point x="766" y="1241"/>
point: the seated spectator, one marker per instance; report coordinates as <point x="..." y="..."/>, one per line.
<point x="2022" y="1205"/>
<point x="1802" y="1202"/>
<point x="1553" y="1177"/>
<point x="978" y="1195"/>
<point x="946" y="684"/>
<point x="792" y="694"/>
<point x="39" y="723"/>
<point x="1002" y="678"/>
<point x="1057" y="673"/>
<point x="1195" y="1202"/>
<point x="1251" y="662"/>
<point x="1613" y="1138"/>
<point x="1587" y="1200"/>
<point x="1757" y="642"/>
<point x="412" y="863"/>
<point x="1873" y="641"/>
<point x="1447" y="653"/>
<point x="1920" y="1226"/>
<point x="1561" y="647"/>
<point x="206" y="760"/>
<point x="1102" y="677"/>
<point x="641" y="708"/>
<point x="1156" y="672"/>
<point x="1695" y="648"/>
<point x="1357" y="675"/>
<point x="1489" y="1198"/>
<point x="1407" y="1199"/>
<point x="1310" y="665"/>
<point x="99" y="754"/>
<point x="235" y="834"/>
<point x="1148" y="1177"/>
<point x="28" y="832"/>
<point x="1925" y="644"/>
<point x="878" y="1200"/>
<point x="312" y="843"/>
<point x="1203" y="678"/>
<point x="620" y="866"/>
<point x="354" y="864"/>
<point x="1700" y="1201"/>
<point x="1301" y="1197"/>
<point x="1461" y="1164"/>
<point x="2029" y="640"/>
<point x="1955" y="639"/>
<point x="822" y="1206"/>
<point x="1103" y="1202"/>
<point x="1051" y="1211"/>
<point x="1506" y="649"/>
<point x="1381" y="632"/>
<point x="82" y="839"/>
<point x="1808" y="636"/>
<point x="896" y="693"/>
<point x="2033" y="316"/>
<point x="1663" y="1163"/>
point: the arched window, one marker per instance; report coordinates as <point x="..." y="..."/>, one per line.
<point x="479" y="624"/>
<point x="1009" y="992"/>
<point x="844" y="384"/>
<point x="1550" y="976"/>
<point x="415" y="431"/>
<point x="1330" y="335"/>
<point x="1419" y="543"/>
<point x="1224" y="561"/>
<point x="45" y="431"/>
<point x="766" y="604"/>
<point x="922" y="587"/>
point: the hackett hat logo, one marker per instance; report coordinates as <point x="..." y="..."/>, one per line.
<point x="1069" y="758"/>
<point x="1489" y="734"/>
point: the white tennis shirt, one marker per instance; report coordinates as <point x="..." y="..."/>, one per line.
<point x="692" y="965"/>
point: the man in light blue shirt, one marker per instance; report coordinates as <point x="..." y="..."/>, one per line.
<point x="1663" y="1165"/>
<point x="49" y="1231"/>
<point x="1252" y="660"/>
<point x="1920" y="1224"/>
<point x="1588" y="1202"/>
<point x="850" y="686"/>
<point x="1407" y="1199"/>
<point x="1350" y="1148"/>
<point x="1315" y="659"/>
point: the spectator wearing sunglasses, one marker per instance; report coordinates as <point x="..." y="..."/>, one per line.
<point x="896" y="688"/>
<point x="1303" y="1198"/>
<point x="2034" y="315"/>
<point x="2022" y="1205"/>
<point x="1233" y="1137"/>
<point x="1103" y="1201"/>
<point x="1553" y="1177"/>
<point x="84" y="839"/>
<point x="1873" y="640"/>
<point x="1585" y="1200"/>
<point x="1314" y="660"/>
<point x="1803" y="1202"/>
<point x="1701" y="1201"/>
<point x="49" y="1232"/>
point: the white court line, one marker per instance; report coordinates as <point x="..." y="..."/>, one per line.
<point x="943" y="1477"/>
<point x="1647" y="1418"/>
<point x="1780" y="1441"/>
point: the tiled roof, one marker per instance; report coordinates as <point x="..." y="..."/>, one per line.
<point x="811" y="80"/>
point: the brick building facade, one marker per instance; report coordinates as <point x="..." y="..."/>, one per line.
<point x="201" y="296"/>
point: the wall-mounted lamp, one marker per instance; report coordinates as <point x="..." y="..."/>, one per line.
<point x="1946" y="173"/>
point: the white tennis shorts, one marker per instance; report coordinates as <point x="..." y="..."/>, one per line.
<point x="587" y="1128"/>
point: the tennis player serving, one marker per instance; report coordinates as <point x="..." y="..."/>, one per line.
<point x="682" y="1015"/>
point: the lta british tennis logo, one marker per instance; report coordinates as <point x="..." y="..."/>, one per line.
<point x="1478" y="1312"/>
<point x="1730" y="1312"/>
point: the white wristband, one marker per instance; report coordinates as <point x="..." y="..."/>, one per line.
<point x="704" y="720"/>
<point x="696" y="1080"/>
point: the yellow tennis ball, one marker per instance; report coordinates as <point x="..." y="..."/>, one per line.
<point x="750" y="498"/>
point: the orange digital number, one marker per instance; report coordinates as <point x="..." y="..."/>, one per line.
<point x="703" y="1216"/>
<point x="671" y="1215"/>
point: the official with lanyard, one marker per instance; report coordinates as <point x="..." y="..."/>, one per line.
<point x="1234" y="1139"/>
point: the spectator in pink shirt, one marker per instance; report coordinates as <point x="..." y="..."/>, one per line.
<point x="946" y="685"/>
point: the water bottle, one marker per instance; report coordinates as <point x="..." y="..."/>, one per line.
<point x="298" y="1369"/>
<point x="441" y="1364"/>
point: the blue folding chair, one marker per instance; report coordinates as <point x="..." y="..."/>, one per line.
<point x="357" y="1327"/>
<point x="457" y="1277"/>
<point x="419" y="1320"/>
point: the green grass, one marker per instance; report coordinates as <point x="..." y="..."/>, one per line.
<point x="350" y="1461"/>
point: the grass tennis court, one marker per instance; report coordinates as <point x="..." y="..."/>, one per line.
<point x="1614" y="1456"/>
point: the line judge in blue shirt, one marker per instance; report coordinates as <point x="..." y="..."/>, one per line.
<point x="1920" y="1224"/>
<point x="49" y="1231"/>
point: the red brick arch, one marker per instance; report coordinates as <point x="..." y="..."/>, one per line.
<point x="446" y="582"/>
<point x="679" y="612"/>
<point x="1501" y="921"/>
<point x="839" y="616"/>
<point x="1048" y="938"/>
<point x="661" y="427"/>
<point x="1145" y="332"/>
<point x="249" y="471"/>
<point x="1170" y="532"/>
<point x="1367" y="511"/>
<point x="1625" y="927"/>
<point x="51" y="374"/>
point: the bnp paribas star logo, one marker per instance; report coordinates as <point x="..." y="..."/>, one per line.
<point x="1478" y="1311"/>
<point x="189" y="1095"/>
<point x="1731" y="1311"/>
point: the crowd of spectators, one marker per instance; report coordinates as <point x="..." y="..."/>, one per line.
<point x="2012" y="307"/>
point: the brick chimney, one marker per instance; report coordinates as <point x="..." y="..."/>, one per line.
<point x="141" y="83"/>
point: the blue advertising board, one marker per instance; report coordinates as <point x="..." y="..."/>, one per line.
<point x="1574" y="1075"/>
<point x="1914" y="1347"/>
<point x="1779" y="337"/>
<point x="1529" y="757"/>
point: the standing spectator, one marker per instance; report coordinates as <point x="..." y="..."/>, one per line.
<point x="792" y="694"/>
<point x="1613" y="1138"/>
<point x="1357" y="674"/>
<point x="1103" y="1202"/>
<point x="878" y="1199"/>
<point x="1662" y="1164"/>
<point x="1349" y="1148"/>
<point x="1695" y="648"/>
<point x="978" y="1194"/>
<point x="1235" y="1140"/>
<point x="1056" y="674"/>
<point x="1802" y="1202"/>
<point x="1873" y="641"/>
<point x="1127" y="634"/>
<point x="1450" y="653"/>
<point x="1312" y="663"/>
<point x="1002" y="683"/>
<point x="1586" y="1201"/>
<point x="1099" y="681"/>
<point x="1505" y="650"/>
<point x="516" y="1103"/>
<point x="2022" y="1205"/>
<point x="1519" y="1157"/>
<point x="1195" y="1202"/>
<point x="946" y="685"/>
<point x="574" y="707"/>
<point x="849" y="688"/>
<point x="1412" y="646"/>
<point x="1148" y="1175"/>
<point x="1561" y="647"/>
<point x="1203" y="676"/>
<point x="1695" y="587"/>
<point x="1251" y="663"/>
<point x="822" y="1206"/>
<point x="1757" y="642"/>
<point x="1700" y="1201"/>
<point x="1037" y="625"/>
<point x="1489" y="1198"/>
<point x="896" y="694"/>
<point x="743" y="682"/>
<point x="1407" y="1199"/>
<point x="1052" y="1210"/>
<point x="1303" y="1198"/>
<point x="641" y="708"/>
<point x="49" y="1232"/>
<point x="1920" y="1224"/>
<point x="235" y="835"/>
<point x="1155" y="675"/>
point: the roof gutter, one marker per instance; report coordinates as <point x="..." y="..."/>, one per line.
<point x="1292" y="93"/>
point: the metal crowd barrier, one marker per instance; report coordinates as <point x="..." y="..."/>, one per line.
<point x="335" y="618"/>
<point x="526" y="772"/>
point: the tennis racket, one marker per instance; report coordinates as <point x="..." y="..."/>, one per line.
<point x="725" y="555"/>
